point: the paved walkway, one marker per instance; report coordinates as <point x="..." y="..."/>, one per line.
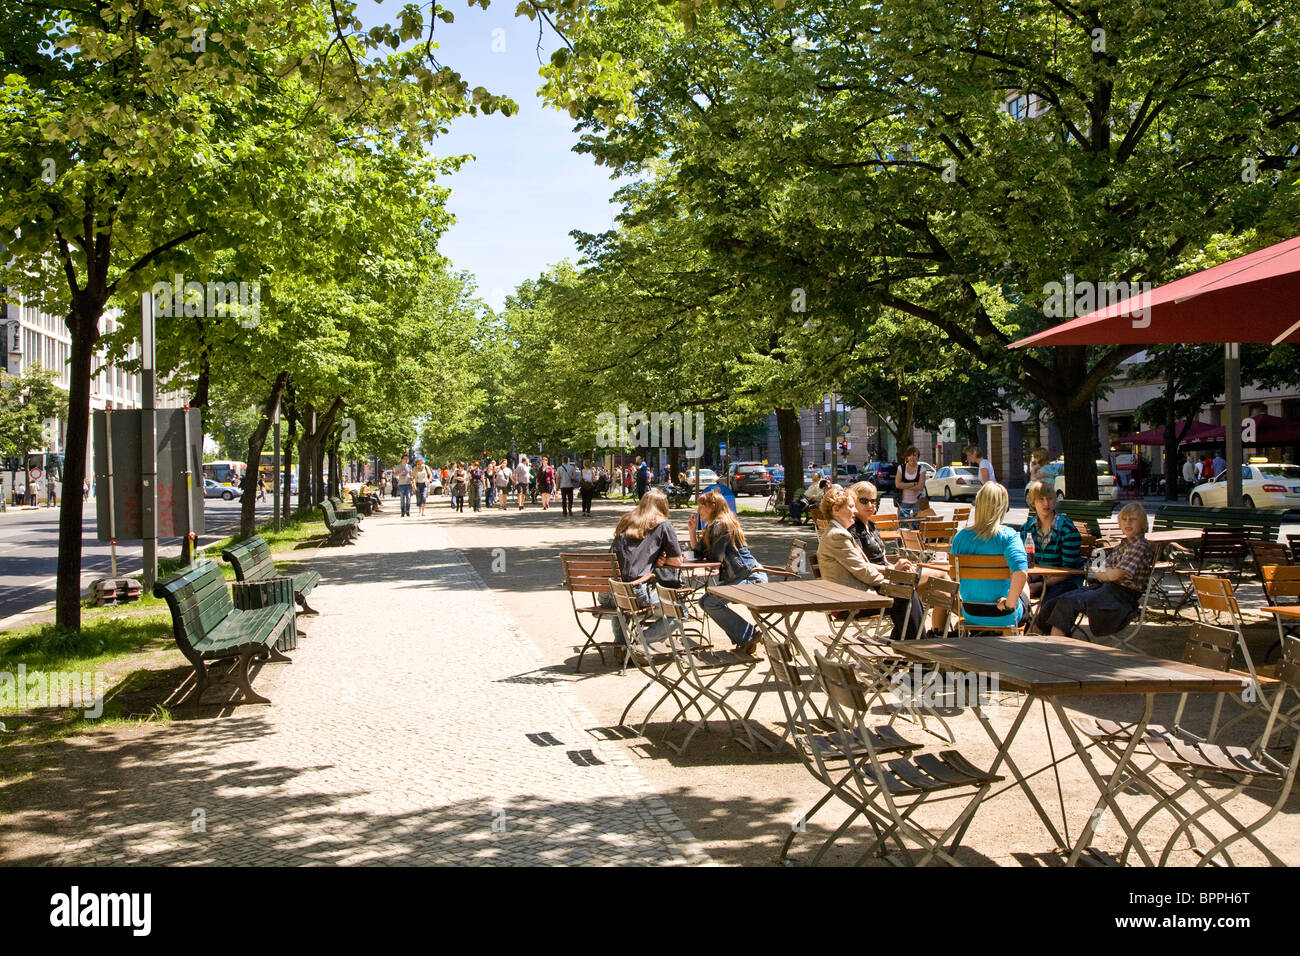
<point x="399" y="735"/>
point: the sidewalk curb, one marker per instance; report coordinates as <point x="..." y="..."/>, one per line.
<point x="658" y="814"/>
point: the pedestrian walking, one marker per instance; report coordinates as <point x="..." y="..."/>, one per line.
<point x="490" y="484"/>
<point x="566" y="478"/>
<point x="459" y="487"/>
<point x="403" y="477"/>
<point x="422" y="476"/>
<point x="546" y="482"/>
<point x="261" y="486"/>
<point x="642" y="477"/>
<point x="503" y="481"/>
<point x="587" y="486"/>
<point x="476" y="487"/>
<point x="523" y="476"/>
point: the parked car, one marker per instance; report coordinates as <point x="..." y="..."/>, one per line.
<point x="213" y="489"/>
<point x="1107" y="482"/>
<point x="954" y="481"/>
<point x="1264" y="484"/>
<point x="777" y="472"/>
<point x="749" y="478"/>
<point x="881" y="474"/>
<point x="707" y="477"/>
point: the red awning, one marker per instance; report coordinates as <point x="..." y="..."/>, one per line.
<point x="1269" y="430"/>
<point x="1255" y="298"/>
<point x="1196" y="432"/>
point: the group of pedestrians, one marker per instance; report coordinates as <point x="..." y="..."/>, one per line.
<point x="498" y="484"/>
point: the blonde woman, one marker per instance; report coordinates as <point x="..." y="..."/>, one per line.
<point x="723" y="540"/>
<point x="645" y="540"/>
<point x="1115" y="597"/>
<point x="991" y="602"/>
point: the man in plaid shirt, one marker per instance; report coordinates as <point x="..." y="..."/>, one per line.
<point x="1112" y="604"/>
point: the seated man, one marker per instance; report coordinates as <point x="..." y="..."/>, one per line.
<point x="841" y="559"/>
<point x="809" y="500"/>
<point x="1116" y="596"/>
<point x="1056" y="545"/>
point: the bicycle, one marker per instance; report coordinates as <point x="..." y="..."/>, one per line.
<point x="776" y="501"/>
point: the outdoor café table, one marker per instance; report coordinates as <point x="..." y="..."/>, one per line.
<point x="778" y="608"/>
<point x="1286" y="614"/>
<point x="696" y="576"/>
<point x="1049" y="668"/>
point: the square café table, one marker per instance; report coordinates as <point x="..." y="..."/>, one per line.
<point x="778" y="608"/>
<point x="1049" y="668"/>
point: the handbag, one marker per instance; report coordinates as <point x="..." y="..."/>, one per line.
<point x="922" y="501"/>
<point x="668" y="576"/>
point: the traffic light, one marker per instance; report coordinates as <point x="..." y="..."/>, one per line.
<point x="844" y="448"/>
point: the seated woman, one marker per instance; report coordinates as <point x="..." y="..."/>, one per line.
<point x="993" y="603"/>
<point x="1116" y="596"/>
<point x="722" y="540"/>
<point x="645" y="540"/>
<point x="865" y="500"/>
<point x="1056" y="545"/>
<point x="841" y="559"/>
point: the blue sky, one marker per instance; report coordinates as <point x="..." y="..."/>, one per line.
<point x="516" y="202"/>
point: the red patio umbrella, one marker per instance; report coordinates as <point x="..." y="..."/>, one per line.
<point x="1269" y="430"/>
<point x="1254" y="298"/>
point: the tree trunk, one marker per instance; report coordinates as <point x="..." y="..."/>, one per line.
<point x="287" y="451"/>
<point x="1172" y="464"/>
<point x="787" y="425"/>
<point x="322" y="434"/>
<point x="305" y="455"/>
<point x="83" y="326"/>
<point x="248" y="501"/>
<point x="1078" y="447"/>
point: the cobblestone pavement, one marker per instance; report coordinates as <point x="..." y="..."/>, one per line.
<point x="400" y="734"/>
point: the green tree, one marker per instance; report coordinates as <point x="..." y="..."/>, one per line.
<point x="869" y="153"/>
<point x="27" y="401"/>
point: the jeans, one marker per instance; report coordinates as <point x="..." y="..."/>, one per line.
<point x="566" y="500"/>
<point x="405" y="492"/>
<point x="421" y="489"/>
<point x="733" y="625"/>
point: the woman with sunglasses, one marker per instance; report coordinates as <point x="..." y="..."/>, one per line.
<point x="866" y="500"/>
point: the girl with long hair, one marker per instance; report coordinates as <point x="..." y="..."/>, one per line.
<point x="721" y="539"/>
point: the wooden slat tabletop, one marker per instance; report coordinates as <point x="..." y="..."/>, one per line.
<point x="792" y="596"/>
<point x="1286" y="610"/>
<point x="1058" y="666"/>
<point x="1177" y="535"/>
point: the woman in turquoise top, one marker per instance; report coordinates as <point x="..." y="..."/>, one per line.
<point x="986" y="534"/>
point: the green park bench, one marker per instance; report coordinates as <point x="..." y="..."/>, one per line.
<point x="208" y="626"/>
<point x="253" y="562"/>
<point x="1085" y="514"/>
<point x="342" y="530"/>
<point x="345" y="511"/>
<point x="1260" y="524"/>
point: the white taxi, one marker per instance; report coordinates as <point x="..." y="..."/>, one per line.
<point x="1264" y="484"/>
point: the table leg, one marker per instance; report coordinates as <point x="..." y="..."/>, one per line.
<point x="1004" y="756"/>
<point x="1107" y="788"/>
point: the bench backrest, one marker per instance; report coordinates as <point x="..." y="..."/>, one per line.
<point x="251" y="559"/>
<point x="198" y="599"/>
<point x="1085" y="514"/>
<point x="327" y="509"/>
<point x="1261" y="524"/>
<point x="590" y="571"/>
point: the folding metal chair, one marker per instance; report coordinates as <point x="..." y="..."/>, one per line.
<point x="912" y="546"/>
<point x="1281" y="582"/>
<point x="817" y="743"/>
<point x="1267" y="554"/>
<point x="1124" y="636"/>
<point x="654" y="659"/>
<point x="795" y="563"/>
<point x="944" y="595"/>
<point x="888" y="793"/>
<point x="699" y="671"/>
<point x="1200" y="766"/>
<point x="589" y="573"/>
<point x="961" y="514"/>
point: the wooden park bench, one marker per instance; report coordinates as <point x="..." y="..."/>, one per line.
<point x="209" y="627"/>
<point x="253" y="562"/>
<point x="345" y="511"/>
<point x="342" y="530"/>
<point x="1085" y="514"/>
<point x="1260" y="524"/>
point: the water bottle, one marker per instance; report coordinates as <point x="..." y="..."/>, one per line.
<point x="1029" y="548"/>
